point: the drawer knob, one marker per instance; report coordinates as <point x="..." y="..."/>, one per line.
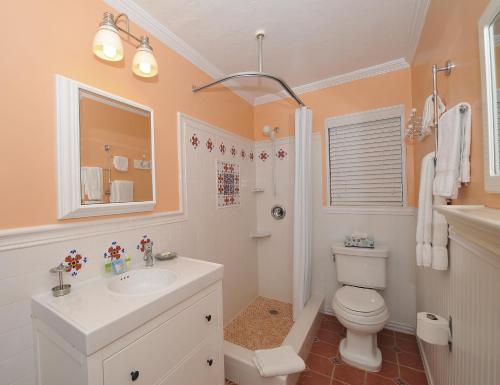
<point x="210" y="362"/>
<point x="208" y="317"/>
<point x="134" y="375"/>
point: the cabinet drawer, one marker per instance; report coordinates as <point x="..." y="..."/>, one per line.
<point x="156" y="353"/>
<point x="204" y="367"/>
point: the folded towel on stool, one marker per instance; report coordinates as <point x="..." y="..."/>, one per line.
<point x="278" y="362"/>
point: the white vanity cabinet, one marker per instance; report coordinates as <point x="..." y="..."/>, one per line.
<point x="182" y="346"/>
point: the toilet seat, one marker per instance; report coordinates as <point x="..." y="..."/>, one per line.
<point x="359" y="301"/>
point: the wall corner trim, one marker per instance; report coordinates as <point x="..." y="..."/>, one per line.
<point x="363" y="73"/>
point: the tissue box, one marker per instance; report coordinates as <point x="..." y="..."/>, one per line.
<point x="367" y="243"/>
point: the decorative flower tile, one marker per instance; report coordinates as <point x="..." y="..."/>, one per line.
<point x="195" y="141"/>
<point x="222" y="148"/>
<point x="228" y="184"/>
<point x="145" y="240"/>
<point x="281" y="154"/>
<point x="243" y="154"/>
<point x="115" y="251"/>
<point x="74" y="262"/>
<point x="233" y="151"/>
<point x="251" y="156"/>
<point x="210" y="145"/>
<point x="263" y="155"/>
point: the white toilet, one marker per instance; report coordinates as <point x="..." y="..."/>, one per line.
<point x="358" y="306"/>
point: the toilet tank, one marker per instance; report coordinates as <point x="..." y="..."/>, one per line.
<point x="361" y="267"/>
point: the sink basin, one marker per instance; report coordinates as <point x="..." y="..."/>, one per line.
<point x="140" y="282"/>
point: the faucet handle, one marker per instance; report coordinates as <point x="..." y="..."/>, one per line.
<point x="59" y="268"/>
<point x="61" y="289"/>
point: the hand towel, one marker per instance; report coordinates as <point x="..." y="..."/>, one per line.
<point x="91" y="183"/>
<point x="120" y="163"/>
<point x="278" y="362"/>
<point x="439" y="237"/>
<point x="424" y="214"/>
<point x="122" y="191"/>
<point x="453" y="166"/>
<point x="428" y="113"/>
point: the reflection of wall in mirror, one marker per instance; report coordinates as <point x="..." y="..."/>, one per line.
<point x="127" y="133"/>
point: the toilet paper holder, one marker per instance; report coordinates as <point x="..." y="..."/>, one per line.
<point x="435" y="329"/>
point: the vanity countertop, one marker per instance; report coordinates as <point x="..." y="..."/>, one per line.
<point x="92" y="316"/>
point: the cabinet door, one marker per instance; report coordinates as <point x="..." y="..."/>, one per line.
<point x="152" y="356"/>
<point x="204" y="367"/>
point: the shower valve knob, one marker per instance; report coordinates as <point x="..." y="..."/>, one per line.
<point x="208" y="317"/>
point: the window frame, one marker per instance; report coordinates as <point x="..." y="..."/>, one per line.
<point x="397" y="111"/>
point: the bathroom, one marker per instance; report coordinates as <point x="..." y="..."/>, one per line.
<point x="203" y="230"/>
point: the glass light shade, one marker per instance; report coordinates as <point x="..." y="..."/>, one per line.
<point x="144" y="63"/>
<point x="107" y="44"/>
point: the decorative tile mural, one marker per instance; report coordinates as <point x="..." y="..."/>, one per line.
<point x="263" y="155"/>
<point x="233" y="151"/>
<point x="228" y="184"/>
<point x="210" y="145"/>
<point x="251" y="156"/>
<point x="195" y="141"/>
<point x="281" y="154"/>
<point x="243" y="154"/>
<point x="145" y="239"/>
<point x="222" y="148"/>
<point x="74" y="262"/>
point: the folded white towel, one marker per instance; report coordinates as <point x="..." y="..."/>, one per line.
<point x="278" y="362"/>
<point x="122" y="191"/>
<point x="439" y="237"/>
<point x="91" y="183"/>
<point x="428" y="113"/>
<point x="453" y="167"/>
<point x="424" y="214"/>
<point x="120" y="163"/>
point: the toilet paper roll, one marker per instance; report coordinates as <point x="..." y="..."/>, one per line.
<point x="433" y="329"/>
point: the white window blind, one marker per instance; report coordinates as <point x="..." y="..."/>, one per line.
<point x="366" y="160"/>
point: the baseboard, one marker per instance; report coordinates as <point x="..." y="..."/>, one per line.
<point x="425" y="362"/>
<point x="391" y="325"/>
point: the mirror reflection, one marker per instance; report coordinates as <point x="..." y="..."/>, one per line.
<point x="115" y="151"/>
<point x="495" y="135"/>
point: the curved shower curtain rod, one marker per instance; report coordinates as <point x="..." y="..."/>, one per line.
<point x="254" y="74"/>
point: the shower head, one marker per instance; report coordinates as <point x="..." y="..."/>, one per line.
<point x="270" y="132"/>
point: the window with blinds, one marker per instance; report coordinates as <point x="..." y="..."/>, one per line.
<point x="366" y="159"/>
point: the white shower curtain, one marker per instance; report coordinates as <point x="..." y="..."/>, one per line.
<point x="302" y="223"/>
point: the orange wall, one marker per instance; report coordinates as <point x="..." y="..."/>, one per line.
<point x="55" y="37"/>
<point x="127" y="133"/>
<point x="451" y="32"/>
<point x="376" y="92"/>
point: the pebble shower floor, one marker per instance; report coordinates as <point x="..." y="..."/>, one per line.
<point x="402" y="364"/>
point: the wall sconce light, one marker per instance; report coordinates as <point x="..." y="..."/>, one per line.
<point x="108" y="46"/>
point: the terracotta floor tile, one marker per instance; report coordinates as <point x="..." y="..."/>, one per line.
<point x="407" y="345"/>
<point x="385" y="340"/>
<point x="332" y="326"/>
<point x="375" y="379"/>
<point x="413" y="377"/>
<point x="388" y="354"/>
<point x="324" y="349"/>
<point x="329" y="336"/>
<point x="412" y="360"/>
<point x="311" y="378"/>
<point x="347" y="373"/>
<point x="386" y="332"/>
<point x="389" y="370"/>
<point x="319" y="364"/>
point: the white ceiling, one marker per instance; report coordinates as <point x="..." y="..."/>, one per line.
<point x="306" y="40"/>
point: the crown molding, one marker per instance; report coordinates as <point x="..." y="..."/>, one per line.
<point x="416" y="26"/>
<point x="379" y="69"/>
<point x="143" y="19"/>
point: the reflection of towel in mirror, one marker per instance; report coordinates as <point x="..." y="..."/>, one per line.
<point x="120" y="163"/>
<point x="122" y="191"/>
<point x="428" y="113"/>
<point x="453" y="165"/>
<point x="91" y="183"/>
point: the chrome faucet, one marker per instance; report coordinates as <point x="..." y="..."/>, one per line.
<point x="148" y="254"/>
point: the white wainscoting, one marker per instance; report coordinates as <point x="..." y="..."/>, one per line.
<point x="470" y="293"/>
<point x="222" y="236"/>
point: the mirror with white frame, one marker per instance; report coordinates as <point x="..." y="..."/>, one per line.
<point x="489" y="34"/>
<point x="105" y="152"/>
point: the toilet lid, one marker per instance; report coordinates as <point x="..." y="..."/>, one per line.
<point x="360" y="300"/>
